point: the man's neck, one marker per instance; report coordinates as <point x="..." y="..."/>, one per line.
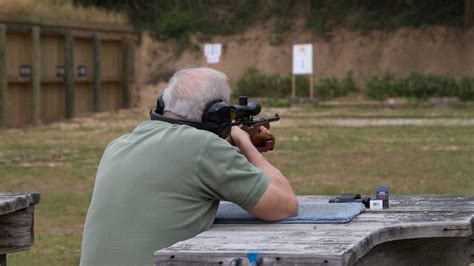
<point x="173" y="115"/>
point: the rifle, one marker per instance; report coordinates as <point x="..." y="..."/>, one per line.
<point x="243" y="116"/>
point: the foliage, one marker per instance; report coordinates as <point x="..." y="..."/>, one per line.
<point x="419" y="87"/>
<point x="329" y="88"/>
<point x="178" y="18"/>
<point x="257" y="84"/>
<point x="363" y="15"/>
<point x="60" y="9"/>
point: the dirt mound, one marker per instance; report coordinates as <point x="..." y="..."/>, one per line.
<point x="429" y="50"/>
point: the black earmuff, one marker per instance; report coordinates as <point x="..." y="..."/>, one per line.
<point x="160" y="105"/>
<point x="216" y="118"/>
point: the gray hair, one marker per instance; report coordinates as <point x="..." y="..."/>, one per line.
<point x="190" y="90"/>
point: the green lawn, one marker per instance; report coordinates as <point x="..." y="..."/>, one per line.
<point x="60" y="161"/>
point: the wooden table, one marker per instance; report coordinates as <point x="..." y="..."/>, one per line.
<point x="16" y="222"/>
<point x="415" y="230"/>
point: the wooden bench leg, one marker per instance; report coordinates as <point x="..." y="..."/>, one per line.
<point x="3" y="259"/>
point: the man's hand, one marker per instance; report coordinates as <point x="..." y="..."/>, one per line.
<point x="239" y="137"/>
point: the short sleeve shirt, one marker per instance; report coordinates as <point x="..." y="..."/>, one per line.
<point x="159" y="185"/>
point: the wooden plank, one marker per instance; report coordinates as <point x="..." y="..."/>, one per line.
<point x="112" y="57"/>
<point x="16" y="230"/>
<point x="83" y="90"/>
<point x="10" y="202"/>
<point x="111" y="96"/>
<point x="468" y="13"/>
<point x="19" y="97"/>
<point x="69" y="75"/>
<point x="127" y="65"/>
<point x="96" y="79"/>
<point x="84" y="98"/>
<point x="3" y="78"/>
<point x="432" y="251"/>
<point x="293" y="86"/>
<point x="19" y="52"/>
<point x="53" y="95"/>
<point x="53" y="89"/>
<point x="36" y="74"/>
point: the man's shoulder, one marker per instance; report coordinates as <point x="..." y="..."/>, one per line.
<point x="162" y="131"/>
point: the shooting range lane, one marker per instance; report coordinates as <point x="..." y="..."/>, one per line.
<point x="420" y="228"/>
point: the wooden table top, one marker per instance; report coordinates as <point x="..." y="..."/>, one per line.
<point x="13" y="201"/>
<point x="340" y="244"/>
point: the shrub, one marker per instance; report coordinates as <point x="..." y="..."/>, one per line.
<point x="419" y="87"/>
<point x="380" y="88"/>
<point x="257" y="84"/>
<point x="466" y="89"/>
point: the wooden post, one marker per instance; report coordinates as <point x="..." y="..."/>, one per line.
<point x="3" y="77"/>
<point x="293" y="86"/>
<point x="468" y="13"/>
<point x="69" y="41"/>
<point x="96" y="75"/>
<point x="127" y="69"/>
<point x="311" y="86"/>
<point x="36" y="74"/>
<point x="3" y="259"/>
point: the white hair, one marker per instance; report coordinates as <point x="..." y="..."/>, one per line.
<point x="190" y="90"/>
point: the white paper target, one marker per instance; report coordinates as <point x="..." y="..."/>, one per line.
<point x="212" y="52"/>
<point x="302" y="59"/>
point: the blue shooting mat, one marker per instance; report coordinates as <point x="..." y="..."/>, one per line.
<point x="309" y="213"/>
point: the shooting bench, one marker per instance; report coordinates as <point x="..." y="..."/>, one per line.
<point x="415" y="230"/>
<point x="16" y="222"/>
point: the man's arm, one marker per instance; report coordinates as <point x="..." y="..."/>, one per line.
<point x="279" y="201"/>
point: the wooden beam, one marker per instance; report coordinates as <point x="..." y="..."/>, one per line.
<point x="96" y="75"/>
<point x="468" y="13"/>
<point x="3" y="77"/>
<point x="69" y="75"/>
<point x="127" y="70"/>
<point x="293" y="86"/>
<point x="36" y="74"/>
<point x="66" y="24"/>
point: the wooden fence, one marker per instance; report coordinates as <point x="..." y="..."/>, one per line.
<point x="53" y="69"/>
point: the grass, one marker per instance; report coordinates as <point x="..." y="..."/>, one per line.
<point x="60" y="161"/>
<point x="64" y="9"/>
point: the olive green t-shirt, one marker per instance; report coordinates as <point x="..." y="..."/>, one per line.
<point x="161" y="184"/>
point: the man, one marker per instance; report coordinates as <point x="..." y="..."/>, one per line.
<point x="162" y="183"/>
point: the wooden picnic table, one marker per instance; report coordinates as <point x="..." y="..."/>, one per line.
<point x="415" y="230"/>
<point x="16" y="222"/>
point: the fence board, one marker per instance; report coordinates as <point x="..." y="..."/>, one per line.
<point x="113" y="101"/>
<point x="70" y="93"/>
<point x="112" y="58"/>
<point x="52" y="56"/>
<point x="96" y="75"/>
<point x="83" y="98"/>
<point x="19" y="52"/>
<point x="3" y="78"/>
<point x="36" y="75"/>
<point x="83" y="57"/>
<point x="19" y="101"/>
<point x="52" y="102"/>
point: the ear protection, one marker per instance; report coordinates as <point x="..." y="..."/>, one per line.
<point x="216" y="117"/>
